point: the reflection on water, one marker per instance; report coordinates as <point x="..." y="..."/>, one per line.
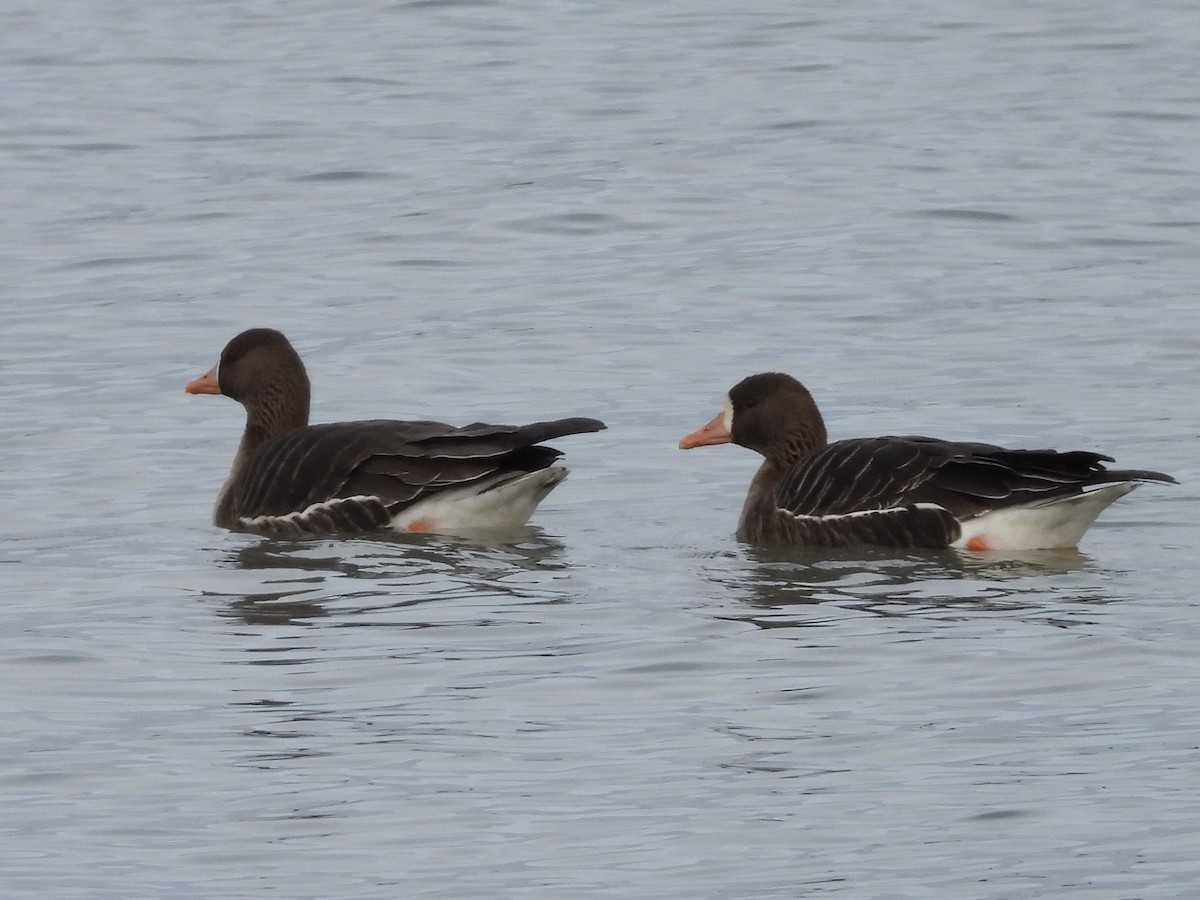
<point x="310" y="578"/>
<point x="882" y="583"/>
<point x="407" y="609"/>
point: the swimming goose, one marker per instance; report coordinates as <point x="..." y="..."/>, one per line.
<point x="902" y="491"/>
<point x="289" y="477"/>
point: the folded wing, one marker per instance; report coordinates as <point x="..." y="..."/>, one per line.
<point x="914" y="491"/>
<point x="360" y="474"/>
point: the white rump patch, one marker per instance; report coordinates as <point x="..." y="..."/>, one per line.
<point x="1052" y="525"/>
<point x="492" y="505"/>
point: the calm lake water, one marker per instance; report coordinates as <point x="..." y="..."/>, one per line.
<point x="976" y="220"/>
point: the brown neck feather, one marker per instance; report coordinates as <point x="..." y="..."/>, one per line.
<point x="786" y="428"/>
<point x="277" y="407"/>
<point x="801" y="442"/>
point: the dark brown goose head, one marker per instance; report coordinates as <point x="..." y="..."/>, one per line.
<point x="772" y="414"/>
<point x="262" y="371"/>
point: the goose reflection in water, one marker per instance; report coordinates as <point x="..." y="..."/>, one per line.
<point x="776" y="583"/>
<point x="293" y="581"/>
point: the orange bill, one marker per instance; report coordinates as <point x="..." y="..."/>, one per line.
<point x="713" y="433"/>
<point x="205" y="384"/>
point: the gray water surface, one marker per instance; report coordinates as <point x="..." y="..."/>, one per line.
<point x="974" y="220"/>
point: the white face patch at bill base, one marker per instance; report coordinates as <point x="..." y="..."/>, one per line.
<point x="727" y="415"/>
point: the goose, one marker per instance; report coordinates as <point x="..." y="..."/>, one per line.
<point x="912" y="491"/>
<point x="290" y="477"/>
